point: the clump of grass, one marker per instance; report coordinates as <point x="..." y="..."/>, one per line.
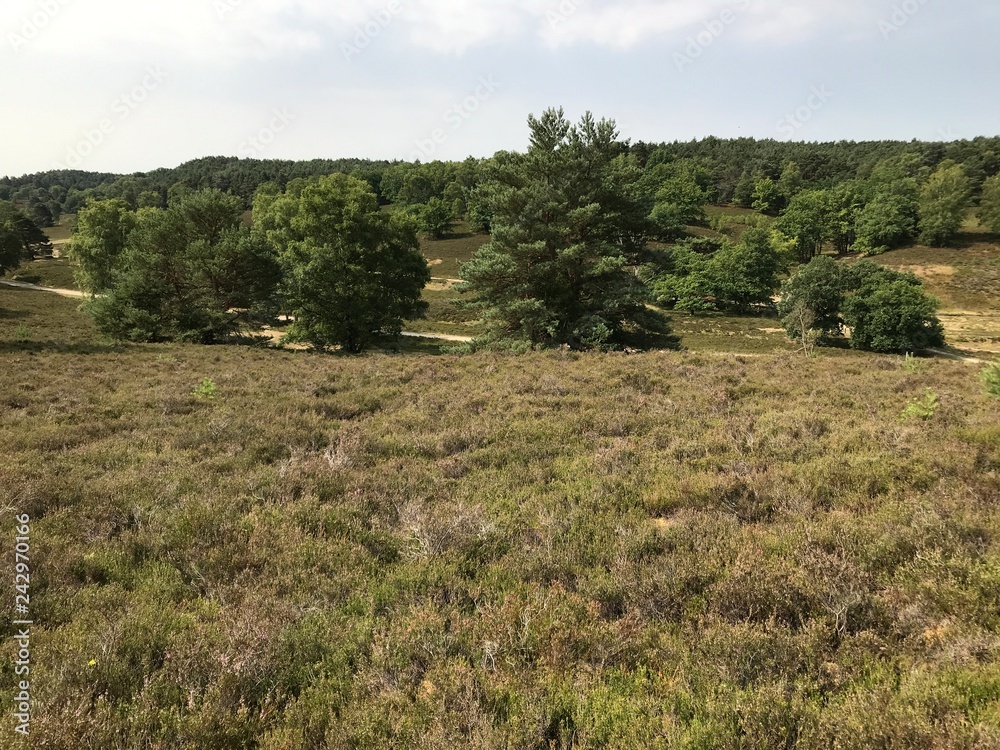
<point x="923" y="408"/>
<point x="991" y="379"/>
<point x="205" y="390"/>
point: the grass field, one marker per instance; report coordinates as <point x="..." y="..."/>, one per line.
<point x="51" y="272"/>
<point x="63" y="229"/>
<point x="664" y="550"/>
<point x="966" y="278"/>
<point x="445" y="256"/>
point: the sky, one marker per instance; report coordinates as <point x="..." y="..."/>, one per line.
<point x="132" y="85"/>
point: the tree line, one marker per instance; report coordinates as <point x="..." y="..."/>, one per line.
<point x="588" y="249"/>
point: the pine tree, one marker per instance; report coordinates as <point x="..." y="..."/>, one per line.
<point x="569" y="227"/>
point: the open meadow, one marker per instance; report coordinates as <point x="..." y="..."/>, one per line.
<point x="692" y="549"/>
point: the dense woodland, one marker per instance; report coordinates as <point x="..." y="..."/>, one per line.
<point x="718" y="164"/>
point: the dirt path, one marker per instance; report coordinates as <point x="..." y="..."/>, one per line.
<point x="34" y="287"/>
<point x="958" y="357"/>
<point x="80" y="295"/>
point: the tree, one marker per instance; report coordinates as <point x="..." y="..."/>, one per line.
<point x="352" y="273"/>
<point x="102" y="232"/>
<point x="685" y="283"/>
<point x="989" y="204"/>
<point x="808" y="221"/>
<point x="11" y="249"/>
<point x="944" y="200"/>
<point x="435" y="218"/>
<point x="790" y="183"/>
<point x="887" y="311"/>
<point x="678" y="202"/>
<point x="23" y="239"/>
<point x="746" y="274"/>
<point x="886" y="222"/>
<point x="569" y="224"/>
<point x="743" y="194"/>
<point x="766" y="196"/>
<point x="816" y="294"/>
<point x="193" y="272"/>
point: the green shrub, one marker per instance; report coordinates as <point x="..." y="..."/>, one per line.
<point x="206" y="390"/>
<point x="991" y="379"/>
<point x="923" y="408"/>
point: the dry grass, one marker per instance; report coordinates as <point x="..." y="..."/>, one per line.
<point x="556" y="550"/>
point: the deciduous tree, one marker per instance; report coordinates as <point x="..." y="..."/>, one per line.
<point x="352" y="273"/>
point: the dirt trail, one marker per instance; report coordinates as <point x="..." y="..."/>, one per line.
<point x="34" y="287"/>
<point x="80" y="295"/>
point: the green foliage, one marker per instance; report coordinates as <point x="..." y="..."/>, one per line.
<point x="568" y="222"/>
<point x="807" y="220"/>
<point x="991" y="379"/>
<point x="989" y="204"/>
<point x="20" y="237"/>
<point x="352" y="273"/>
<point x="193" y="272"/>
<point x="814" y="294"/>
<point x="102" y="232"/>
<point x="678" y="200"/>
<point x="206" y="390"/>
<point x="888" y="221"/>
<point x="743" y="193"/>
<point x="791" y="182"/>
<point x="745" y="274"/>
<point x="434" y="218"/>
<point x="887" y="311"/>
<point x="923" y="408"/>
<point x="911" y="365"/>
<point x="767" y="197"/>
<point x="944" y="200"/>
<point x="686" y="285"/>
<point x="11" y="248"/>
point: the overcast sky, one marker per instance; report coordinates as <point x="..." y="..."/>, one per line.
<point x="131" y="85"/>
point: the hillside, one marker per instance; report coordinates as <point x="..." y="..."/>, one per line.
<point x="558" y="550"/>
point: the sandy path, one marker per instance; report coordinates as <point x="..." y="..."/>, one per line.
<point x="80" y="295"/>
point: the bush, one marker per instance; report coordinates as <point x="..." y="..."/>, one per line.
<point x="817" y="291"/>
<point x="887" y="311"/>
<point x="991" y="379"/>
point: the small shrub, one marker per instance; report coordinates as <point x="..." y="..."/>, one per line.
<point x="923" y="408"/>
<point x="206" y="390"/>
<point x="991" y="379"/>
<point x="911" y="365"/>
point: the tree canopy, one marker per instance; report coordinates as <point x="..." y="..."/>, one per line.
<point x="351" y="273"/>
<point x="569" y="225"/>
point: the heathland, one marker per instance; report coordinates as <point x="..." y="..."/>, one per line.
<point x="730" y="546"/>
<point x="741" y="542"/>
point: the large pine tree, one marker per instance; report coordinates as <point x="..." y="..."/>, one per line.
<point x="569" y="228"/>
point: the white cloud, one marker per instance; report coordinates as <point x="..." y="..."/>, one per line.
<point x="228" y="31"/>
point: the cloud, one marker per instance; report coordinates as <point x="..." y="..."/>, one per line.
<point x="228" y="31"/>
